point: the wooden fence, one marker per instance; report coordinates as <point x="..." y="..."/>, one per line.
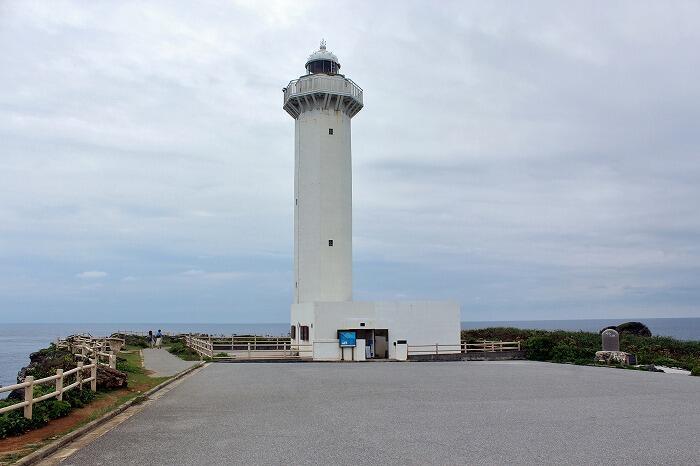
<point x="247" y="347"/>
<point x="251" y="347"/>
<point x="93" y="348"/>
<point x="60" y="387"/>
<point x="96" y="351"/>
<point x="464" y="347"/>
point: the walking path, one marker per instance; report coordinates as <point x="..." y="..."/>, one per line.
<point x="411" y="413"/>
<point x="164" y="364"/>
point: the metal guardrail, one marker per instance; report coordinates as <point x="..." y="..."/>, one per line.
<point x="464" y="347"/>
<point x="58" y="379"/>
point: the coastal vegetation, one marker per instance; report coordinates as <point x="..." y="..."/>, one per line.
<point x="179" y="349"/>
<point x="77" y="408"/>
<point x="580" y="347"/>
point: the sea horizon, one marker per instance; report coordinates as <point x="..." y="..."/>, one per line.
<point x="18" y="340"/>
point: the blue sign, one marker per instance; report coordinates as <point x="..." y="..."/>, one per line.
<point x="347" y="339"/>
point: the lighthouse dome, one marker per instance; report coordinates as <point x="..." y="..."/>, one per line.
<point x="322" y="61"/>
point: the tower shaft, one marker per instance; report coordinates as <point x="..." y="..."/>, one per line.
<point x="323" y="206"/>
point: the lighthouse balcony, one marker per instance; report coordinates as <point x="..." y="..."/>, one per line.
<point x="322" y="91"/>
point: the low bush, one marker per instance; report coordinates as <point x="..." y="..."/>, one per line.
<point x="695" y="371"/>
<point x="14" y="422"/>
<point x="127" y="366"/>
<point x="183" y="351"/>
<point x="580" y="347"/>
<point x="666" y="361"/>
<point x="539" y="348"/>
<point x="133" y="340"/>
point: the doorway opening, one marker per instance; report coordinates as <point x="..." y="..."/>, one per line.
<point x="376" y="342"/>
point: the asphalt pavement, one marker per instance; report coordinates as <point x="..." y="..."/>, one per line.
<point x="411" y="413"/>
<point x="164" y="364"/>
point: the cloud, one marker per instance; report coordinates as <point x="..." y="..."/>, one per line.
<point x="214" y="275"/>
<point x="91" y="274"/>
<point x="534" y="161"/>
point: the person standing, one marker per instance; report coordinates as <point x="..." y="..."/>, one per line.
<point x="159" y="339"/>
<point x="150" y="339"/>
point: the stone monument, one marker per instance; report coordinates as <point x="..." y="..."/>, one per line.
<point x="611" y="349"/>
<point x="611" y="340"/>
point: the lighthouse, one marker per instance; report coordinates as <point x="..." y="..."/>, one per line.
<point x="326" y="323"/>
<point x="322" y="103"/>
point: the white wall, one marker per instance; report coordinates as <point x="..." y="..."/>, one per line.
<point x="327" y="350"/>
<point x="418" y="322"/>
<point x="323" y="206"/>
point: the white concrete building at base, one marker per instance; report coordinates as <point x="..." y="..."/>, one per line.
<point x="325" y="322"/>
<point x="381" y="327"/>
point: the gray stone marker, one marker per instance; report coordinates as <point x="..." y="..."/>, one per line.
<point x="611" y="340"/>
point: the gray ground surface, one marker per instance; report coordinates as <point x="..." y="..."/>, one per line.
<point x="412" y="413"/>
<point x="164" y="363"/>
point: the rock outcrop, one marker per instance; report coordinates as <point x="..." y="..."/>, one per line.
<point x="44" y="363"/>
<point x="631" y="328"/>
<point x="110" y="379"/>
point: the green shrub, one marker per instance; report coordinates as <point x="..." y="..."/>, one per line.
<point x="539" y="348"/>
<point x="14" y="423"/>
<point x="133" y="340"/>
<point x="126" y="366"/>
<point x="580" y="347"/>
<point x="183" y="351"/>
<point x="79" y="398"/>
<point x="665" y="361"/>
<point x="695" y="371"/>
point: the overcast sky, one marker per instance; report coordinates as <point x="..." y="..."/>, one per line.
<point x="530" y="160"/>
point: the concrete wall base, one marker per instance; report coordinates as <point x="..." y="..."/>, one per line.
<point x="471" y="356"/>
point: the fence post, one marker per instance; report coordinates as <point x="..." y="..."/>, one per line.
<point x="79" y="375"/>
<point x="29" y="396"/>
<point x="231" y="342"/>
<point x="93" y="374"/>
<point x="248" y="350"/>
<point x="112" y="361"/>
<point x="59" y="384"/>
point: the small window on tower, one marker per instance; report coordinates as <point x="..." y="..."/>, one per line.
<point x="330" y="242"/>
<point x="330" y="131"/>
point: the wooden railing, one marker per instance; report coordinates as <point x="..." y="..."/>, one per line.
<point x="252" y="347"/>
<point x="464" y="347"/>
<point x="248" y="347"/>
<point x="60" y="388"/>
<point x="93" y="348"/>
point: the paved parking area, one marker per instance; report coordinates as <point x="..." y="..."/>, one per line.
<point x="411" y="413"/>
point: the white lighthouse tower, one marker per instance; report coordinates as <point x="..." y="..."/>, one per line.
<point x="322" y="103"/>
<point x="323" y="315"/>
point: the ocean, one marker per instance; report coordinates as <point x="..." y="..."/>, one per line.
<point x="17" y="341"/>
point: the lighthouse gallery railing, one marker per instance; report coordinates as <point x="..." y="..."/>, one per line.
<point x="322" y="83"/>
